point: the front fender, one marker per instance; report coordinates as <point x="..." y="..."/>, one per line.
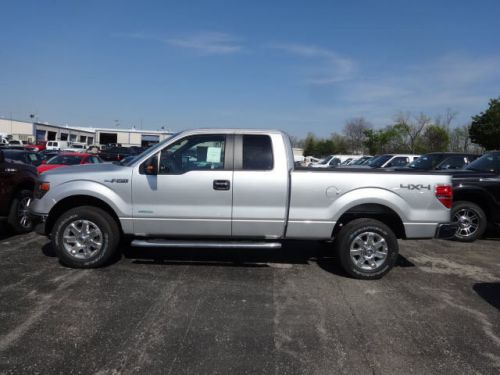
<point x="118" y="197"/>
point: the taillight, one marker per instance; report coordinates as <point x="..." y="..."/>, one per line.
<point x="444" y="193"/>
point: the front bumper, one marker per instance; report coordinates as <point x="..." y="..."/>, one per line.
<point x="39" y="223"/>
<point x="446" y="231"/>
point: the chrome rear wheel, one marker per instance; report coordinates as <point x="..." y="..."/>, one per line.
<point x="368" y="251"/>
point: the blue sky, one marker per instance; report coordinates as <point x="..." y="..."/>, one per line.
<point x="298" y="66"/>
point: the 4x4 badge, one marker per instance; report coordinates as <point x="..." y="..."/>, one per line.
<point x="415" y="187"/>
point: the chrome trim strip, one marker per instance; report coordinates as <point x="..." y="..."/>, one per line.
<point x="206" y="244"/>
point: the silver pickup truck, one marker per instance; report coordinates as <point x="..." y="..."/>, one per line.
<point x="222" y="188"/>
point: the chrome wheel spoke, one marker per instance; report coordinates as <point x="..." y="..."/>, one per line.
<point x="356" y="252"/>
<point x="74" y="228"/>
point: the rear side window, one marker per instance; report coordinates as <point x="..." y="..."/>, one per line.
<point x="454" y="162"/>
<point x="257" y="153"/>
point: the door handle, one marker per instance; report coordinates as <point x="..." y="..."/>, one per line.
<point x="221" y="185"/>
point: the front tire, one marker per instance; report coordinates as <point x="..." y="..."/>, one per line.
<point x="19" y="218"/>
<point x="471" y="221"/>
<point x="367" y="248"/>
<point x="85" y="237"/>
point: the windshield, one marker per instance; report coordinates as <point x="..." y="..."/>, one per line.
<point x="155" y="148"/>
<point x="378" y="161"/>
<point x="489" y="162"/>
<point x="65" y="159"/>
<point x="361" y="161"/>
<point x="77" y="146"/>
<point x="427" y="161"/>
<point x="325" y="160"/>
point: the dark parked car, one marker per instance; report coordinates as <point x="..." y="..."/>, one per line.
<point x="117" y="153"/>
<point x="476" y="197"/>
<point x="442" y="160"/>
<point x="17" y="181"/>
<point x="23" y="156"/>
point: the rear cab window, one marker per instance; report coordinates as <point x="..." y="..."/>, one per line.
<point x="257" y="153"/>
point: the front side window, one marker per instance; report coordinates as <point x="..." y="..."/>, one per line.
<point x="199" y="152"/>
<point x="94" y="160"/>
<point x="257" y="153"/>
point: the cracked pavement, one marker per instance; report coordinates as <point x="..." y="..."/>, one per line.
<point x="286" y="311"/>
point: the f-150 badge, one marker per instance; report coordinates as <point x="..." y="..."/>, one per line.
<point x="118" y="180"/>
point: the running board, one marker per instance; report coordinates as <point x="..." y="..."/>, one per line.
<point x="206" y="244"/>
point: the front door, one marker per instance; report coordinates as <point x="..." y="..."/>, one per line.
<point x="191" y="194"/>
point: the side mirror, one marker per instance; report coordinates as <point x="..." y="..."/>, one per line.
<point x="150" y="167"/>
<point x="2" y="158"/>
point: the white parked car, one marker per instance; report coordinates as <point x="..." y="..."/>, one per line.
<point x="333" y="161"/>
<point x="389" y="161"/>
<point x="56" y="145"/>
<point x="76" y="147"/>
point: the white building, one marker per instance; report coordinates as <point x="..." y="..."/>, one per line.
<point x="37" y="131"/>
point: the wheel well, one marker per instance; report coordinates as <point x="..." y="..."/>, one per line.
<point x="77" y="201"/>
<point x="28" y="185"/>
<point x="474" y="197"/>
<point x="372" y="211"/>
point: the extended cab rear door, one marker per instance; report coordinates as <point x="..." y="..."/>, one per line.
<point x="260" y="186"/>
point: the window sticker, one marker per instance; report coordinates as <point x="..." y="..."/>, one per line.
<point x="214" y="154"/>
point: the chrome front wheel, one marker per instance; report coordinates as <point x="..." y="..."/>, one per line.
<point x="85" y="237"/>
<point x="471" y="220"/>
<point x="82" y="239"/>
<point x="468" y="222"/>
<point x="23" y="215"/>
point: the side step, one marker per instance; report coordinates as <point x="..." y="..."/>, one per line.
<point x="206" y="244"/>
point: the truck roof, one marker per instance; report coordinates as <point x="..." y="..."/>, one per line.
<point x="232" y="131"/>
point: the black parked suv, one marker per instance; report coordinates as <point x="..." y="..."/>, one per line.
<point x="476" y="197"/>
<point x="17" y="181"/>
<point x="24" y="156"/>
<point x="442" y="160"/>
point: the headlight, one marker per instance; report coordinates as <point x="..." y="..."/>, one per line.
<point x="42" y="187"/>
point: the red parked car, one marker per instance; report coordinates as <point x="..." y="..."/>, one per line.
<point x="68" y="158"/>
<point x="39" y="146"/>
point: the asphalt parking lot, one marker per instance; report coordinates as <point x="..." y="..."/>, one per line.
<point x="288" y="311"/>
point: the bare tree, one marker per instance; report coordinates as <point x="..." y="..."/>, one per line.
<point x="459" y="139"/>
<point x="445" y="119"/>
<point x="354" y="132"/>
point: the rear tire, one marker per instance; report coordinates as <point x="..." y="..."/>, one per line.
<point x="471" y="219"/>
<point x="367" y="248"/>
<point x="85" y="237"/>
<point x="19" y="219"/>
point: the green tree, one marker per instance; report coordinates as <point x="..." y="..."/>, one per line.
<point x="310" y="145"/>
<point x="435" y="138"/>
<point x="485" y="127"/>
